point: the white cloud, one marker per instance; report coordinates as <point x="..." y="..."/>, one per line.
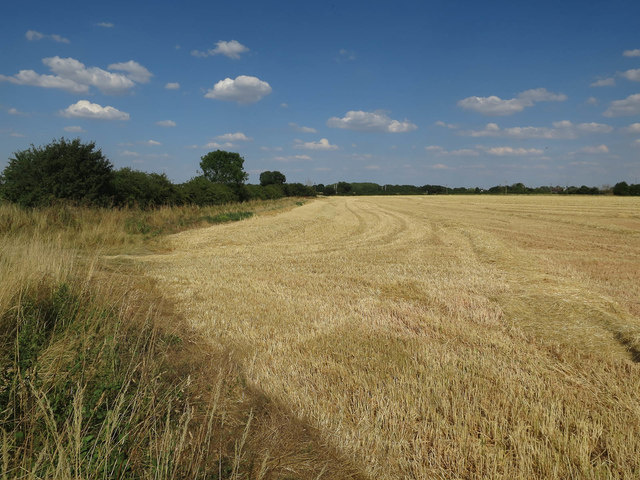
<point x="32" y="35"/>
<point x="73" y="70"/>
<point x="372" y="167"/>
<point x="231" y="49"/>
<point x="86" y="109"/>
<point x="376" y="121"/>
<point x="166" y="123"/>
<point x="234" y="137"/>
<point x="346" y="55"/>
<point x="636" y="143"/>
<point x="300" y="128"/>
<point x="105" y="24"/>
<point x="284" y="105"/>
<point x="322" y="144"/>
<point x="440" y="166"/>
<point x="129" y="153"/>
<point x="31" y="78"/>
<point x="621" y="108"/>
<point x="604" y="82"/>
<point x="510" y="151"/>
<point x="461" y="152"/>
<point x="152" y="143"/>
<point x="15" y="111"/>
<point x="172" y="86"/>
<point x="594" y="127"/>
<point x="73" y="76"/>
<point x="633" y="75"/>
<point x="74" y="129"/>
<point x="17" y="135"/>
<point x="134" y="71"/>
<point x="595" y="150"/>
<point x="592" y="101"/>
<point x="451" y="126"/>
<point x="633" y="128"/>
<point x="563" y="129"/>
<point x="632" y="53"/>
<point x="292" y="158"/>
<point x="244" y="90"/>
<point x="494" y="105"/>
<point x="217" y="145"/>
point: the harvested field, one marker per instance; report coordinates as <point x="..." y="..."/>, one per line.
<point x="433" y="337"/>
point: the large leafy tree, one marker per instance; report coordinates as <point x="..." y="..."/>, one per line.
<point x="272" y="178"/>
<point x="224" y="167"/>
<point x="61" y="170"/>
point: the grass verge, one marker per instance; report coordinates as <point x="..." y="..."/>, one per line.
<point x="99" y="378"/>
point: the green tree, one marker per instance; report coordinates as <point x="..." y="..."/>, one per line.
<point x="344" y="188"/>
<point x="621" y="188"/>
<point x="133" y="187"/>
<point x="61" y="170"/>
<point x="223" y="167"/>
<point x="272" y="178"/>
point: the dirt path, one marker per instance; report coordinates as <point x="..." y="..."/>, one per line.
<point x="433" y="336"/>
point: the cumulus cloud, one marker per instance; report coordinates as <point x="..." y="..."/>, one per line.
<point x="377" y="121"/>
<point x="322" y="144"/>
<point x="166" y="123"/>
<point x="234" y="137"/>
<point x="133" y="70"/>
<point x="450" y="126"/>
<point x="441" y="151"/>
<point x="32" y="35"/>
<point x="232" y="49"/>
<point x="625" y="107"/>
<point x="494" y="105"/>
<point x="633" y="128"/>
<point x="105" y="24"/>
<point x="31" y="78"/>
<point x="74" y="129"/>
<point x="346" y="55"/>
<point x="632" y="53"/>
<point x="86" y="109"/>
<point x="595" y="150"/>
<point x="592" y="101"/>
<point x="604" y="82"/>
<point x="292" y="158"/>
<point x="73" y="76"/>
<point x="300" y="128"/>
<point x="563" y="129"/>
<point x="243" y="89"/>
<point x="152" y="143"/>
<point x="633" y="75"/>
<point x="217" y="145"/>
<point x="510" y="151"/>
<point x="172" y="86"/>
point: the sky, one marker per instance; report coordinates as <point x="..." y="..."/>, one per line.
<point x="457" y="93"/>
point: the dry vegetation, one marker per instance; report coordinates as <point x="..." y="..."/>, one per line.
<point x="426" y="337"/>
<point x="100" y="378"/>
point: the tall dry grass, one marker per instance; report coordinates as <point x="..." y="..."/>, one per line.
<point x="433" y="337"/>
<point x="101" y="378"/>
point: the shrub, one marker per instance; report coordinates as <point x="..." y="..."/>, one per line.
<point x="200" y="191"/>
<point x="62" y="170"/>
<point x="133" y="187"/>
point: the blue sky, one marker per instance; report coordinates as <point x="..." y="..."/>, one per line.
<point x="457" y="93"/>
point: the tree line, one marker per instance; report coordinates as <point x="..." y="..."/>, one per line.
<point x="368" y="188"/>
<point x="72" y="171"/>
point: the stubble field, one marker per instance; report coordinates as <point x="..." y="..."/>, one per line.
<point x="431" y="337"/>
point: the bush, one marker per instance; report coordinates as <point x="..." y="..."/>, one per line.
<point x="299" y="190"/>
<point x="200" y="191"/>
<point x="62" y="170"/>
<point x="133" y="187"/>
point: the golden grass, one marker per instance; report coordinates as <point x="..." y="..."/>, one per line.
<point x="100" y="378"/>
<point x="433" y="337"/>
